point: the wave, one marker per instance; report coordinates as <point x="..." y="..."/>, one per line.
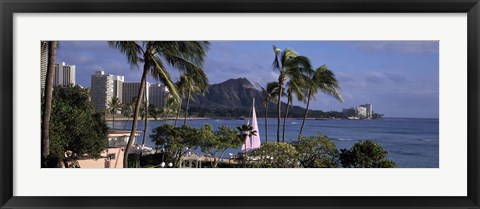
<point x="429" y="140"/>
<point x="294" y="123"/>
<point x="345" y="139"/>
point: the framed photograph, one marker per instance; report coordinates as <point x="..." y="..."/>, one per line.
<point x="265" y="104"/>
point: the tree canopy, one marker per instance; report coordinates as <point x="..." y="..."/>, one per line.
<point x="75" y="126"/>
<point x="365" y="154"/>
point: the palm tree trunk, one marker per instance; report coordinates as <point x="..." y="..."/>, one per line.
<point x="146" y="115"/>
<point x="285" y="119"/>
<point x="266" y="123"/>
<point x="52" y="54"/>
<point x="146" y="68"/>
<point x="113" y="122"/>
<point x="186" y="108"/>
<point x="125" y="127"/>
<point x="178" y="114"/>
<point x="279" y="104"/>
<point x="306" y="112"/>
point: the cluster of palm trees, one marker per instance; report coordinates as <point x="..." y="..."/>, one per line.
<point x="296" y="78"/>
<point x="185" y="56"/>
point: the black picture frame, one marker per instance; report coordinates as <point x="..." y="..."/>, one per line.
<point x="10" y="7"/>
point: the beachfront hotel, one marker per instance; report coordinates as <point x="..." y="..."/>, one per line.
<point x="64" y="74"/>
<point x="369" y="110"/>
<point x="157" y="95"/>
<point x="364" y="111"/>
<point x="130" y="91"/>
<point x="102" y="90"/>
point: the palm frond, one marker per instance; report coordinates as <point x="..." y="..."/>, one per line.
<point x="164" y="77"/>
<point x="131" y="49"/>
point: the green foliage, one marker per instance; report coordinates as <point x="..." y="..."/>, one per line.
<point x="246" y="130"/>
<point x="176" y="141"/>
<point x="215" y="145"/>
<point x="74" y="124"/>
<point x="317" y="152"/>
<point x="365" y="154"/>
<point x="274" y="155"/>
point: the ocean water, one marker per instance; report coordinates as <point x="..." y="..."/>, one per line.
<point x="410" y="142"/>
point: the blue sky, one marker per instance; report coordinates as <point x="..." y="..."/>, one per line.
<point x="399" y="78"/>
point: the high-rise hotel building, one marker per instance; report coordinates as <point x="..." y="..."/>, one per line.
<point x="156" y="95"/>
<point x="104" y="88"/>
<point x="130" y="91"/>
<point x="118" y="86"/>
<point x="64" y="74"/>
<point x="369" y="110"/>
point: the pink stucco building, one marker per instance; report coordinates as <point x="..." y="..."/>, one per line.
<point x="112" y="157"/>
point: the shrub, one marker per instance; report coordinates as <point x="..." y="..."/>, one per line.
<point x="274" y="155"/>
<point x="365" y="154"/>
<point x="317" y="152"/>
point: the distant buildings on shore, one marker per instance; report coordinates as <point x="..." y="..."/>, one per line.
<point x="364" y="111"/>
<point x="103" y="86"/>
<point x="107" y="86"/>
<point x="64" y="74"/>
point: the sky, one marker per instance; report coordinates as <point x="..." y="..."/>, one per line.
<point x="399" y="78"/>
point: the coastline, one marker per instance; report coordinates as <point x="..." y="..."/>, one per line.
<point x="224" y="118"/>
<point x="158" y="119"/>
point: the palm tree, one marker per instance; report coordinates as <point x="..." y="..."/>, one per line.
<point x="246" y="130"/>
<point x="186" y="56"/>
<point x="47" y="110"/>
<point x="294" y="86"/>
<point x="181" y="90"/>
<point x="193" y="84"/>
<point x="268" y="93"/>
<point x="288" y="63"/>
<point x="323" y="79"/>
<point x="171" y="106"/>
<point x="129" y="110"/>
<point x="153" y="111"/>
<point x="145" y="116"/>
<point x="113" y="106"/>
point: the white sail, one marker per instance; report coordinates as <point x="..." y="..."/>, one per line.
<point x="255" y="138"/>
<point x="254" y="141"/>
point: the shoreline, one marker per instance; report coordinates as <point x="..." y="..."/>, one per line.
<point x="158" y="119"/>
<point x="224" y="118"/>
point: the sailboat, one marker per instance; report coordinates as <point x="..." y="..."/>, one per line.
<point x="252" y="142"/>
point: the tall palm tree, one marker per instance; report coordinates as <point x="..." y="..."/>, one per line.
<point x="47" y="110"/>
<point x="186" y="56"/>
<point x="129" y="110"/>
<point x="288" y="63"/>
<point x="153" y="111"/>
<point x="113" y="106"/>
<point x="145" y="115"/>
<point x="194" y="84"/>
<point x="171" y="106"/>
<point x="269" y="94"/>
<point x="323" y="79"/>
<point x="294" y="86"/>
<point x="181" y="91"/>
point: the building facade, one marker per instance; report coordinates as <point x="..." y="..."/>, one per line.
<point x="101" y="90"/>
<point x="130" y="91"/>
<point x="118" y="86"/>
<point x="64" y="74"/>
<point x="362" y="112"/>
<point x="369" y="110"/>
<point x="157" y="95"/>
